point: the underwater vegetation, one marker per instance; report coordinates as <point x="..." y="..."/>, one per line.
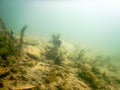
<point x="97" y="76"/>
<point x="54" y="66"/>
<point x="21" y="36"/>
<point x="95" y="71"/>
<point x="78" y="55"/>
<point x="90" y="77"/>
<point x="9" y="45"/>
<point x="52" y="51"/>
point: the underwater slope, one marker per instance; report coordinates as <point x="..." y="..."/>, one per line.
<point x="38" y="63"/>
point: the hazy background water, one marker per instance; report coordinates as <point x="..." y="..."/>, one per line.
<point x="93" y="23"/>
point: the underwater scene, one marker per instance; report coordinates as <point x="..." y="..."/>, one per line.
<point x="59" y="45"/>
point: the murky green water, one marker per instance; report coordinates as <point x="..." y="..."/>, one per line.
<point x="94" y="24"/>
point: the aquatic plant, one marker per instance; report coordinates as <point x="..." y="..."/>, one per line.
<point x="55" y="40"/>
<point x="95" y="70"/>
<point x="52" y="52"/>
<point x="90" y="77"/>
<point x="7" y="43"/>
<point x="106" y="78"/>
<point x="21" y="36"/>
<point x="118" y="81"/>
<point x="78" y="55"/>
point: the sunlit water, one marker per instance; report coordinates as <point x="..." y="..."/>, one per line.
<point x="92" y="23"/>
